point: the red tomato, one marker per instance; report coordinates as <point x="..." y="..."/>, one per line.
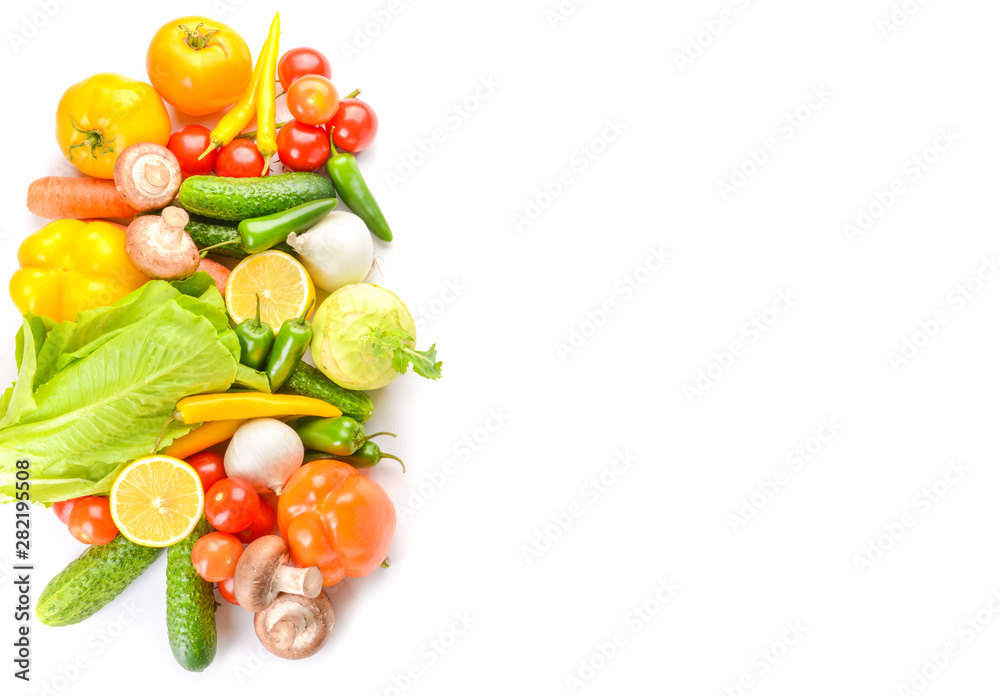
<point x="231" y="505"/>
<point x="219" y="273"/>
<point x="302" y="61"/>
<point x="187" y="144"/>
<point x="303" y="148"/>
<point x="227" y="588"/>
<point x="240" y="158"/>
<point x="312" y="99"/>
<point x="262" y="524"/>
<point x="64" y="507"/>
<point x="210" y="468"/>
<point x="215" y="556"/>
<point x="91" y="522"/>
<point x="354" y="125"/>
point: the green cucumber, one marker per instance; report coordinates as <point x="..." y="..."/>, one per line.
<point x="190" y="606"/>
<point x="307" y="380"/>
<point x="96" y="577"/>
<point x="207" y="232"/>
<point x="235" y="199"/>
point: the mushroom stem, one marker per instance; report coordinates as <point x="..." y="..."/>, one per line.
<point x="156" y="172"/>
<point x="284" y="632"/>
<point x="307" y="582"/>
<point x="173" y="221"/>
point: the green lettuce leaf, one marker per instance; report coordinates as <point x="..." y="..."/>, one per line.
<point x="94" y="394"/>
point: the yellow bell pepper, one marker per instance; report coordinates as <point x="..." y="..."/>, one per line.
<point x="71" y="265"/>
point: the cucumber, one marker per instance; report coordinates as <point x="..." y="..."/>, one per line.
<point x="95" y="578"/>
<point x="190" y="606"/>
<point x="207" y="232"/>
<point x="307" y="380"/>
<point x="230" y="198"/>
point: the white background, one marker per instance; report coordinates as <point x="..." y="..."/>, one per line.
<point x="462" y="543"/>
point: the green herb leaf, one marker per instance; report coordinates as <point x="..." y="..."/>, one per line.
<point x="398" y="345"/>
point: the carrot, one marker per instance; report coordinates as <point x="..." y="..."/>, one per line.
<point x="57" y="197"/>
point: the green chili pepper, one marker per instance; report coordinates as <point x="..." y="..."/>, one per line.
<point x="339" y="436"/>
<point x="255" y="339"/>
<point x="346" y="177"/>
<point x="290" y="345"/>
<point x="260" y="233"/>
<point x="367" y="456"/>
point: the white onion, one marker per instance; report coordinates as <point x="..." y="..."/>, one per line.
<point x="337" y="250"/>
<point x="265" y="453"/>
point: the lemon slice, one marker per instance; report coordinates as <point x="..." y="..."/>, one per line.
<point x="157" y="500"/>
<point x="283" y="284"/>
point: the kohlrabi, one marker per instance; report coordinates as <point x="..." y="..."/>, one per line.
<point x="364" y="337"/>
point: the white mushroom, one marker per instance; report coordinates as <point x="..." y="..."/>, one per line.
<point x="159" y="247"/>
<point x="293" y="626"/>
<point x="147" y="175"/>
<point x="263" y="572"/>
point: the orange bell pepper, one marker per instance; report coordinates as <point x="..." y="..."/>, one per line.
<point x="72" y="265"/>
<point x="336" y="519"/>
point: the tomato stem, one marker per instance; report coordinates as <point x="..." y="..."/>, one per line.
<point x="94" y="140"/>
<point x="198" y="40"/>
<point x="353" y="94"/>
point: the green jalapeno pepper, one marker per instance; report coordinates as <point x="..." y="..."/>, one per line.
<point x="290" y="345"/>
<point x="352" y="189"/>
<point x="340" y="436"/>
<point x="367" y="456"/>
<point x="260" y="233"/>
<point x="255" y="338"/>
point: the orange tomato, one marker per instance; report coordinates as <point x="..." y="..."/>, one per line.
<point x="198" y="65"/>
<point x="336" y="519"/>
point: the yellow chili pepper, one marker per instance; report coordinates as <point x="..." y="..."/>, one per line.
<point x="266" y="128"/>
<point x="239" y="115"/>
<point x="202" y="438"/>
<point x="217" y="407"/>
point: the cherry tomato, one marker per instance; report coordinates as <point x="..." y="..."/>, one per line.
<point x="303" y="148"/>
<point x="231" y="505"/>
<point x="215" y="556"/>
<point x="227" y="588"/>
<point x="262" y="524"/>
<point x="187" y="144"/>
<point x="313" y="99"/>
<point x="354" y="125"/>
<point x="210" y="467"/>
<point x="91" y="522"/>
<point x="240" y="158"/>
<point x="64" y="507"/>
<point x="302" y="61"/>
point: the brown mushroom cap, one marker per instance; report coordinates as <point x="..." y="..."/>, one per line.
<point x="294" y="626"/>
<point x="263" y="572"/>
<point x="159" y="247"/>
<point x="147" y="175"/>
